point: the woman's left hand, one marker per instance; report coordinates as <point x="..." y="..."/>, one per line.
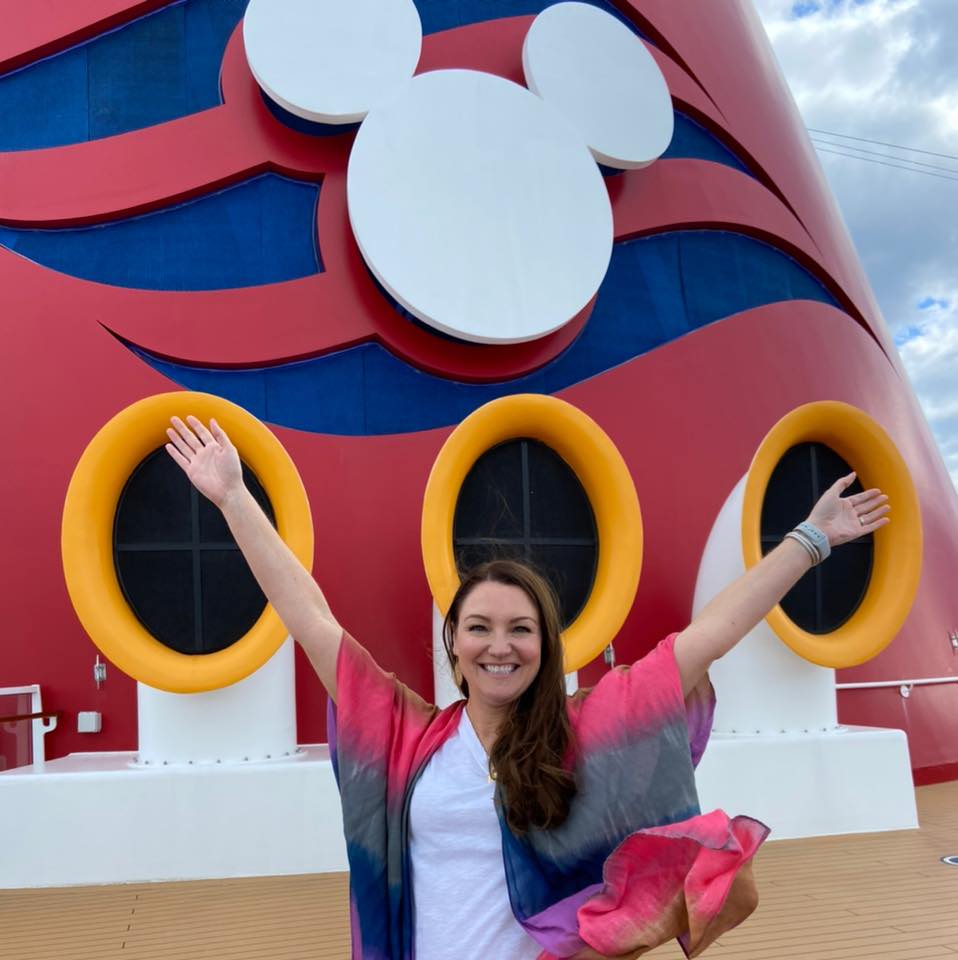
<point x="742" y="604"/>
<point x="843" y="519"/>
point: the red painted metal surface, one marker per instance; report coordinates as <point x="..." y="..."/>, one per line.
<point x="687" y="417"/>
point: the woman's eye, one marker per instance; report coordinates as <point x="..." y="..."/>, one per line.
<point x="477" y="628"/>
<point x="519" y="628"/>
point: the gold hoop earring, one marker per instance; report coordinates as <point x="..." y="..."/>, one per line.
<point x="457" y="674"/>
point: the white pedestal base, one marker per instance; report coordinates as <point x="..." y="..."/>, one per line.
<point x="92" y="818"/>
<point x="253" y="719"/>
<point x="849" y="780"/>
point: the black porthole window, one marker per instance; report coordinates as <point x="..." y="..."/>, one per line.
<point x="830" y="593"/>
<point x="177" y="563"/>
<point x="522" y="501"/>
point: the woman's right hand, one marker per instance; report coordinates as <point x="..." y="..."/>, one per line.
<point x="213" y="466"/>
<point x="207" y="457"/>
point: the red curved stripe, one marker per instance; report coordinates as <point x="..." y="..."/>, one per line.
<point x="29" y="34"/>
<point x="149" y="168"/>
<point x="761" y="116"/>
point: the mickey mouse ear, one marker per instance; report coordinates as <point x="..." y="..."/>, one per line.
<point x="591" y="68"/>
<point x="331" y="61"/>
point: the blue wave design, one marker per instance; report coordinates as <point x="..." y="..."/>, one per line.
<point x="690" y="140"/>
<point x="159" y="67"/>
<point x="439" y="15"/>
<point x="657" y="289"/>
<point x="166" y="65"/>
<point x="693" y="142"/>
<point x="262" y="230"/>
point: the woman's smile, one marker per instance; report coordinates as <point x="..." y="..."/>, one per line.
<point x="498" y="643"/>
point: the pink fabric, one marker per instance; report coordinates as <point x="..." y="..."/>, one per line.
<point x="658" y="877"/>
<point x="634" y="865"/>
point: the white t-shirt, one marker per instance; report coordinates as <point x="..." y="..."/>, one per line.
<point x="460" y="900"/>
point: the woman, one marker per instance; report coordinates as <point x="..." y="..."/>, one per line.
<point x="517" y="823"/>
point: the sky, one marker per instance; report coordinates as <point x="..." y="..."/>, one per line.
<point x="887" y="70"/>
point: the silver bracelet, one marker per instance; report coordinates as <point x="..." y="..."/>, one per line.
<point x="807" y="544"/>
<point x="817" y="537"/>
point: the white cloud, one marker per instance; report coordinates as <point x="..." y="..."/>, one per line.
<point x="888" y="70"/>
<point x="930" y="353"/>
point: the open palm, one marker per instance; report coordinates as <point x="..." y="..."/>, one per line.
<point x="207" y="457"/>
<point x="843" y="519"/>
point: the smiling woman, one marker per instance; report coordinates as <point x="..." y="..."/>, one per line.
<point x="502" y="637"/>
<point x="501" y="634"/>
<point x="519" y="821"/>
<point x="496" y="639"/>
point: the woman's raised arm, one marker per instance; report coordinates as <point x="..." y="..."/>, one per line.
<point x="211" y="462"/>
<point x="724" y="621"/>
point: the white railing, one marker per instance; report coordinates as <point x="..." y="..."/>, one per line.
<point x="904" y="686"/>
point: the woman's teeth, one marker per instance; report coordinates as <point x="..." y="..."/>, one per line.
<point x="503" y="669"/>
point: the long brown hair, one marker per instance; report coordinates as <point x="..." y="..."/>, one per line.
<point x="530" y="758"/>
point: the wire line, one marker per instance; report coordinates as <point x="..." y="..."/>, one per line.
<point x="882" y="143"/>
<point x="886" y="156"/>
<point x="895" y="166"/>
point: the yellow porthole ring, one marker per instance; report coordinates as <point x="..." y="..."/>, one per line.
<point x="896" y="564"/>
<point x="87" y="540"/>
<point x="599" y="466"/>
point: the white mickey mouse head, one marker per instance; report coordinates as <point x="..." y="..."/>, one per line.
<point x="476" y="204"/>
<point x="478" y="208"/>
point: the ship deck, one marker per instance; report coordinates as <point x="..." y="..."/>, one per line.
<point x="886" y="896"/>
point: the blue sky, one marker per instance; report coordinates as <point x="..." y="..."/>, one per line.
<point x="887" y="70"/>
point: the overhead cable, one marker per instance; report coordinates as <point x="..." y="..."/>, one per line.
<point x="895" y="166"/>
<point x="882" y="143"/>
<point x="875" y="153"/>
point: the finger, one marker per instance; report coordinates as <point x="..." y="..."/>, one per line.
<point x="177" y="456"/>
<point x="877" y="525"/>
<point x="856" y="498"/>
<point x="873" y="515"/>
<point x="870" y="503"/>
<point x="206" y="438"/>
<point x="843" y="483"/>
<point x="182" y="448"/>
<point x="186" y="433"/>
<point x="220" y="434"/>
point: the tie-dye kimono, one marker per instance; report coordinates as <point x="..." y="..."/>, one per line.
<point x="635" y="864"/>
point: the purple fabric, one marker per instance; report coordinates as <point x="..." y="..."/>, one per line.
<point x="553" y="927"/>
<point x="699" y="713"/>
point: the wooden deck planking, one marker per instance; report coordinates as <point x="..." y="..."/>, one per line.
<point x="882" y="896"/>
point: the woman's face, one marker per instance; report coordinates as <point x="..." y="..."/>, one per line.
<point x="498" y="642"/>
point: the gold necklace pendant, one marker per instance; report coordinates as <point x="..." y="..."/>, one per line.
<point x="492" y="773"/>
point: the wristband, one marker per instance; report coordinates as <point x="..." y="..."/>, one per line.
<point x="806" y="544"/>
<point x="817" y="537"/>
